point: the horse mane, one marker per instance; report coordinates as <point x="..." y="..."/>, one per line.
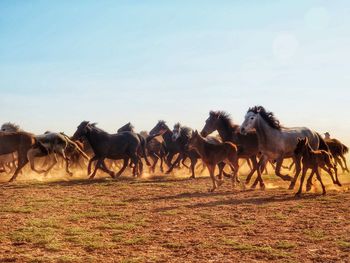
<point x="93" y="126"/>
<point x="11" y="125"/>
<point x="225" y="119"/>
<point x="268" y="116"/>
<point x="186" y="132"/>
<point x="127" y="127"/>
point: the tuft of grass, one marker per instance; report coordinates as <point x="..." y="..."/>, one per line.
<point x="94" y="215"/>
<point x="34" y="235"/>
<point x="315" y="234"/>
<point x="66" y="259"/>
<point x="42" y="223"/>
<point x="285" y="245"/>
<point x="174" y="246"/>
<point x="344" y="245"/>
<point x="117" y="226"/>
<point x="22" y="209"/>
<point x="267" y="250"/>
<point x="135" y="241"/>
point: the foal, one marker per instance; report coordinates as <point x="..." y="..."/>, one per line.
<point x="314" y="160"/>
<point x="212" y="154"/>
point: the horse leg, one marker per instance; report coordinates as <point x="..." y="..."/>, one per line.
<point x="155" y="159"/>
<point x="184" y="164"/>
<point x="221" y="169"/>
<point x="194" y="161"/>
<point x="55" y="161"/>
<point x="337" y="160"/>
<point x="161" y="164"/>
<point x="90" y="163"/>
<point x="22" y="161"/>
<point x="252" y="171"/>
<point x="106" y="170"/>
<point x="297" y="162"/>
<point x="135" y="160"/>
<point x="97" y="165"/>
<point x="320" y="179"/>
<point x="259" y="179"/>
<point x="298" y="194"/>
<point x="345" y="164"/>
<point x="178" y="159"/>
<point x="30" y="157"/>
<point x="279" y="162"/>
<point x="211" y="169"/>
<point x="125" y="164"/>
<point x="140" y="171"/>
<point x="309" y="181"/>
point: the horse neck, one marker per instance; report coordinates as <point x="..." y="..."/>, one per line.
<point x="224" y="131"/>
<point x="92" y="136"/>
<point x="167" y="136"/>
<point x="265" y="133"/>
<point x="200" y="146"/>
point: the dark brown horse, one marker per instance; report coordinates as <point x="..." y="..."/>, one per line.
<point x="221" y="122"/>
<point x="171" y="147"/>
<point x="122" y="145"/>
<point x="213" y="154"/>
<point x="313" y="160"/>
<point x="338" y="150"/>
<point x="20" y="142"/>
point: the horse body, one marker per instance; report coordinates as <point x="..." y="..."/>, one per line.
<point x="338" y="151"/>
<point x="247" y="143"/>
<point x="213" y="154"/>
<point x="171" y="147"/>
<point x="122" y="145"/>
<point x="276" y="142"/>
<point x="312" y="159"/>
<point x="20" y="142"/>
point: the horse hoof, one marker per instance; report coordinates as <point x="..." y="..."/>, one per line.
<point x="298" y="195"/>
<point x="308" y="188"/>
<point x="324" y="193"/>
<point x="287" y="178"/>
<point x="338" y="183"/>
<point x="291" y="186"/>
<point x="210" y="190"/>
<point x="192" y="177"/>
<point x="253" y="187"/>
<point x="262" y="187"/>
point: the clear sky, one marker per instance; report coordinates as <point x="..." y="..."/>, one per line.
<point x="111" y="62"/>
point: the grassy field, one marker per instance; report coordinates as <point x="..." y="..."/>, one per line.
<point x="170" y="219"/>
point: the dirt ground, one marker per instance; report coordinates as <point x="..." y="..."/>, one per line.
<point x="169" y="218"/>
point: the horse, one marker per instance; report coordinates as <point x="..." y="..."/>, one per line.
<point x="48" y="144"/>
<point x="181" y="135"/>
<point x="122" y="145"/>
<point x="276" y="142"/>
<point x="20" y="142"/>
<point x="171" y="147"/>
<point x="313" y="160"/>
<point x="338" y="150"/>
<point x="247" y="144"/>
<point x="213" y="154"/>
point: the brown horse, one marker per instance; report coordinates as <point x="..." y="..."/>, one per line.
<point x="213" y="154"/>
<point x="338" y="150"/>
<point x="221" y="122"/>
<point x="20" y="142"/>
<point x="313" y="160"/>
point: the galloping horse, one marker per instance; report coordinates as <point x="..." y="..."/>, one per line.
<point x="122" y="145"/>
<point x="171" y="147"/>
<point x="276" y="142"/>
<point x="20" y="142"/>
<point x="213" y="154"/>
<point x="247" y="144"/>
<point x="314" y="160"/>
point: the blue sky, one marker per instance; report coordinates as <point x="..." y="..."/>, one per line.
<point x="62" y="62"/>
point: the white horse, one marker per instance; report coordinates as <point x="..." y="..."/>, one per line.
<point x="276" y="142"/>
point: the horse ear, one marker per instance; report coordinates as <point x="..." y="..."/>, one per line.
<point x="299" y="139"/>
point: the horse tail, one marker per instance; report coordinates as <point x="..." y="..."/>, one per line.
<point x="143" y="142"/>
<point x="345" y="149"/>
<point x="322" y="143"/>
<point x="76" y="146"/>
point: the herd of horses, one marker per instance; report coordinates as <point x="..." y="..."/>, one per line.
<point x="259" y="140"/>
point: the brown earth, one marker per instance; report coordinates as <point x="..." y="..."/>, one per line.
<point x="170" y="219"/>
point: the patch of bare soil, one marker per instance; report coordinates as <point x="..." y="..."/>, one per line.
<point x="170" y="219"/>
